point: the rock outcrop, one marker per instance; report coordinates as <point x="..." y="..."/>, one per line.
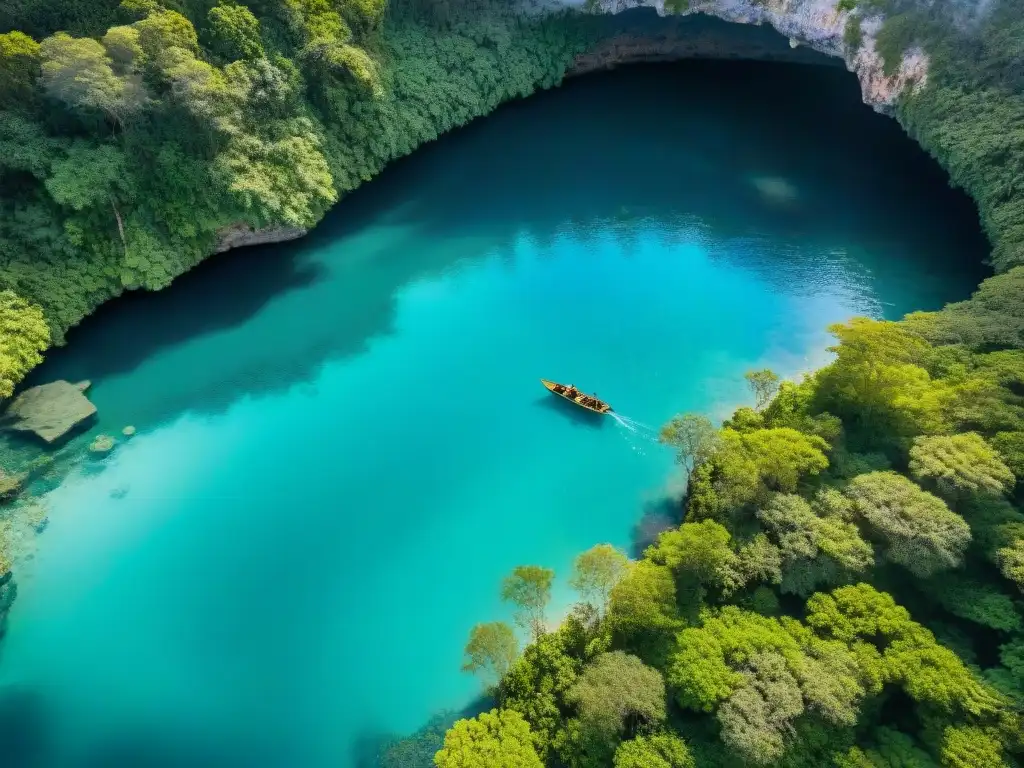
<point x="49" y="411"/>
<point x="817" y="24"/>
<point x="693" y="37"/>
<point x="102" y="445"/>
<point x="11" y="486"/>
<point x="241" y="235"/>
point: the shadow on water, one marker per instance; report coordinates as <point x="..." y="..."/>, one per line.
<point x="656" y="516"/>
<point x="742" y="151"/>
<point x="23" y="732"/>
<point x="222" y="292"/>
<point x="573" y="413"/>
<point x="26" y="741"/>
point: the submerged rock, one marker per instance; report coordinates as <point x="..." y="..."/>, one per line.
<point x="34" y="514"/>
<point x="10" y="486"/>
<point x="50" y="411"/>
<point x="102" y="445"/>
<point x="128" y="431"/>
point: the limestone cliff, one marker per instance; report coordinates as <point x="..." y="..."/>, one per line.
<point x="242" y="235"/>
<point x="818" y="24"/>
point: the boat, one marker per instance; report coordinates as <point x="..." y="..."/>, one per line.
<point x="582" y="399"/>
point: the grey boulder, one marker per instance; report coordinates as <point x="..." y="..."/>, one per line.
<point x="50" y="411"/>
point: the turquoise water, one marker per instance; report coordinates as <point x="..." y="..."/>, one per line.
<point x="343" y="444"/>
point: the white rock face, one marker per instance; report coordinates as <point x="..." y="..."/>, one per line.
<point x="815" y="23"/>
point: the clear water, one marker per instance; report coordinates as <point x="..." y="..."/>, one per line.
<point x="343" y="443"/>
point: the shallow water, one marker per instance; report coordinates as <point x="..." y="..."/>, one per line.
<point x="343" y="444"/>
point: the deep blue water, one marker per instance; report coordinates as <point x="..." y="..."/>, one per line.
<point x="343" y="444"/>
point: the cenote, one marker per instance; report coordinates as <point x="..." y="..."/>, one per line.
<point x="343" y="444"/>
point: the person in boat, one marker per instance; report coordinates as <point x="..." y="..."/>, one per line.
<point x="571" y="391"/>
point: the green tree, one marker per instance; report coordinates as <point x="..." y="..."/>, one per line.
<point x="710" y="663"/>
<point x="596" y="572"/>
<point x="1011" y="655"/>
<point x="87" y="176"/>
<point x="538" y="683"/>
<point x="201" y="90"/>
<point x="794" y="406"/>
<point x="165" y="32"/>
<point x="1010" y="560"/>
<point x="693" y="436"/>
<point x="283" y="180"/>
<point x="757" y="717"/>
<point x="998" y="530"/>
<point x="366" y="14"/>
<point x="750" y="466"/>
<point x="970" y="747"/>
<point x="814" y="550"/>
<point x="888" y="748"/>
<point x="764" y="601"/>
<point x="764" y="384"/>
<point x="1010" y="446"/>
<point x="975" y="601"/>
<point x="877" y="384"/>
<point x="794" y="527"/>
<point x="910" y="657"/>
<point x="758" y="560"/>
<point x="700" y="548"/>
<point x="78" y="72"/>
<point x="236" y="31"/>
<point x="616" y="697"/>
<point x="24" y="336"/>
<point x="916" y="530"/>
<point x="19" y="66"/>
<point x="643" y="615"/>
<point x="491" y="651"/>
<point x="744" y="419"/>
<point x="495" y="739"/>
<point x="701" y="557"/>
<point x="849" y="613"/>
<point x="783" y="456"/>
<point x="329" y="37"/>
<point x="659" y="750"/>
<point x="529" y="588"/>
<point x="840" y="542"/>
<point x="123" y="48"/>
<point x="956" y="465"/>
<point x="983" y="388"/>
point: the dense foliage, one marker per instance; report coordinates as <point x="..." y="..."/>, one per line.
<point x="133" y="134"/>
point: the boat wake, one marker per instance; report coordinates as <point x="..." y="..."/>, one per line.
<point x="633" y="425"/>
<point x="636" y="433"/>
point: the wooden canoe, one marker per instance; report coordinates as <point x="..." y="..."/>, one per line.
<point x="582" y="399"/>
